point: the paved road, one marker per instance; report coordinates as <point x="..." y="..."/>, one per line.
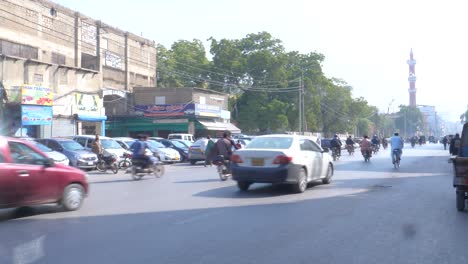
<point x="371" y="213"/>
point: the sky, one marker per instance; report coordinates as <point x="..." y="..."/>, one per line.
<point x="365" y="42"/>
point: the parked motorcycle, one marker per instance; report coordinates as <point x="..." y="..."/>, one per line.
<point x="106" y="162"/>
<point x="223" y="167"/>
<point x="142" y="167"/>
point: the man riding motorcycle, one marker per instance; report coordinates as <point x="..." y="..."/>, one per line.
<point x="375" y="143"/>
<point x="335" y="144"/>
<point x="350" y="145"/>
<point x="138" y="151"/>
<point x="366" y="148"/>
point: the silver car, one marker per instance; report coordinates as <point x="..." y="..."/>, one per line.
<point x="78" y="156"/>
<point x="284" y="159"/>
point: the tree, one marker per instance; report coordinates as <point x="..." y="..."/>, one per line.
<point x="410" y="120"/>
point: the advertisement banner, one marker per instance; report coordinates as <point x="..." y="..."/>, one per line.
<point x="207" y="110"/>
<point x="88" y="104"/>
<point x="166" y="110"/>
<point x="36" y="115"/>
<point x="36" y="95"/>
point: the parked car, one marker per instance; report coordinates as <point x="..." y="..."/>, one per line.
<point x="197" y="150"/>
<point x="109" y="145"/>
<point x="126" y="143"/>
<point x="167" y="155"/>
<point x="185" y="142"/>
<point x="176" y="145"/>
<point x="188" y="137"/>
<point x="282" y="159"/>
<point x="30" y="177"/>
<point x="58" y="157"/>
<point x="78" y="156"/>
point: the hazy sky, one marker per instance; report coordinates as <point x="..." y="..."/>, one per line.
<point x="365" y="42"/>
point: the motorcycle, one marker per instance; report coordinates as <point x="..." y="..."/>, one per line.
<point x="367" y="155"/>
<point x="106" y="162"/>
<point x="350" y="149"/>
<point x="126" y="162"/>
<point x="223" y="167"/>
<point x="385" y="145"/>
<point x="335" y="154"/>
<point x="375" y="148"/>
<point x="141" y="167"/>
<point x="413" y="144"/>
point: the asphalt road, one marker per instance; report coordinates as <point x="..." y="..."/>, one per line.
<point x="371" y="213"/>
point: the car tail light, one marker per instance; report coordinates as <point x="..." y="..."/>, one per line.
<point x="236" y="159"/>
<point x="282" y="159"/>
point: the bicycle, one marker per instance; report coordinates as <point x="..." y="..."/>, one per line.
<point x="396" y="158"/>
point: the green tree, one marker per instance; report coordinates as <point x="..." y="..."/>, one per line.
<point x="410" y="120"/>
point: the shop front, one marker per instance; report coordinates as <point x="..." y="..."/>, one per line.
<point x="89" y="114"/>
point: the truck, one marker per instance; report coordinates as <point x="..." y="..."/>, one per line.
<point x="460" y="169"/>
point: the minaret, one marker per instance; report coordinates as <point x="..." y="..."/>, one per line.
<point x="412" y="80"/>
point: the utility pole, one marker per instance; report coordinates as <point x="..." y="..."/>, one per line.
<point x="304" y="121"/>
<point x="300" y="106"/>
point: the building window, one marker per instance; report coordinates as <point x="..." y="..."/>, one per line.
<point x="160" y="100"/>
<point x="89" y="61"/>
<point x="18" y="50"/>
<point x="38" y="78"/>
<point x="202" y="100"/>
<point x="58" y="58"/>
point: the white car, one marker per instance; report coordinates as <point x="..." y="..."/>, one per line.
<point x="285" y="159"/>
<point x="167" y="155"/>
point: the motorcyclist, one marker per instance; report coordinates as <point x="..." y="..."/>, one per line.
<point x="224" y="146"/>
<point x="375" y="142"/>
<point x="396" y="144"/>
<point x="138" y="150"/>
<point x="350" y="144"/>
<point x="445" y="141"/>
<point x="366" y="147"/>
<point x="413" y="141"/>
<point x="384" y="143"/>
<point x="335" y="143"/>
<point x="455" y="145"/>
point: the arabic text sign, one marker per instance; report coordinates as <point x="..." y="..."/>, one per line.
<point x="166" y="110"/>
<point x="36" y="115"/>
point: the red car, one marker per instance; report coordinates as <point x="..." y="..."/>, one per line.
<point x="28" y="177"/>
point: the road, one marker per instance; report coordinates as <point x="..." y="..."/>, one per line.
<point x="371" y="213"/>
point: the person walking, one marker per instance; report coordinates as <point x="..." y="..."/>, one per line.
<point x="208" y="151"/>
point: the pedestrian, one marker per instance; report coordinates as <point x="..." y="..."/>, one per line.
<point x="445" y="141"/>
<point x="97" y="146"/>
<point x="455" y="145"/>
<point x="208" y="151"/>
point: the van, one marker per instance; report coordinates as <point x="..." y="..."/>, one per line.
<point x="188" y="137"/>
<point x="109" y="145"/>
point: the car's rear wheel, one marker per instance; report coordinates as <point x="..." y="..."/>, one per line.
<point x="327" y="179"/>
<point x="301" y="184"/>
<point x="243" y="186"/>
<point x="192" y="162"/>
<point x="73" y="196"/>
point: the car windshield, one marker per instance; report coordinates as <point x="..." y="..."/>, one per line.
<point x="71" y="145"/>
<point x="110" y="144"/>
<point x="42" y="147"/>
<point x="270" y="143"/>
<point x="185" y="142"/>
<point x="154" y="144"/>
<point x="178" y="144"/>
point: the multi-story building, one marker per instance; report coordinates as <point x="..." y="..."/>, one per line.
<point x="161" y="111"/>
<point x="63" y="72"/>
<point x="432" y="122"/>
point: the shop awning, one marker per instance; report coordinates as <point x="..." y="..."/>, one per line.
<point x="88" y="118"/>
<point x="215" y="126"/>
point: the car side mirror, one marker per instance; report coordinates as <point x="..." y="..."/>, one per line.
<point x="49" y="163"/>
<point x="325" y="150"/>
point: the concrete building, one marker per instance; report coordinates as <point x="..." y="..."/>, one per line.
<point x="432" y="122"/>
<point x="80" y="68"/>
<point x="161" y="111"/>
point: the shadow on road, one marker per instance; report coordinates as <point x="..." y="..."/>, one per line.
<point x="198" y="181"/>
<point x="27" y="211"/>
<point x="120" y="181"/>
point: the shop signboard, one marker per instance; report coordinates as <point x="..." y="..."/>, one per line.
<point x="88" y="104"/>
<point x="166" y="110"/>
<point x="36" y="95"/>
<point x="207" y="110"/>
<point x="36" y="115"/>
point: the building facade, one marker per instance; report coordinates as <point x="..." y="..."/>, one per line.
<point x="161" y="111"/>
<point x="80" y="68"/>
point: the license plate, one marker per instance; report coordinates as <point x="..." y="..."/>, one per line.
<point x="90" y="163"/>
<point x="177" y="158"/>
<point x="258" y="162"/>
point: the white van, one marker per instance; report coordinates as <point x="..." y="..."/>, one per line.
<point x="188" y="137"/>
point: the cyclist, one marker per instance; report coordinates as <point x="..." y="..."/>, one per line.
<point x="397" y="145"/>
